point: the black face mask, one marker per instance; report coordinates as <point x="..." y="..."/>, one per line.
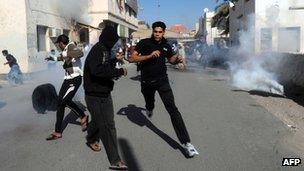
<point x="108" y="37"/>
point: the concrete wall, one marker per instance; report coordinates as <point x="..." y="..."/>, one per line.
<point x="43" y="13"/>
<point x="212" y="33"/>
<point x="275" y="14"/>
<point x="205" y="28"/>
<point x="13" y="35"/>
<point x="240" y="20"/>
<point x="291" y="68"/>
<point x="123" y="14"/>
<point x="98" y="11"/>
<point x="102" y="10"/>
<point x="270" y="14"/>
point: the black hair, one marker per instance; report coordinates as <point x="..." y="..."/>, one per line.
<point x="63" y="38"/>
<point x="159" y="24"/>
<point x="5" y="52"/>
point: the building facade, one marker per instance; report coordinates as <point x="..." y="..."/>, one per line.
<point x="119" y="13"/>
<point x="212" y="34"/>
<point x="29" y="27"/>
<point x="272" y="25"/>
<point x="179" y="28"/>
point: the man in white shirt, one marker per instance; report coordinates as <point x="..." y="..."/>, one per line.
<point x="72" y="80"/>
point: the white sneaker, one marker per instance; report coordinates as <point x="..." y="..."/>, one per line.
<point x="190" y="150"/>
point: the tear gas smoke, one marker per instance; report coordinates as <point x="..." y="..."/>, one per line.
<point x="77" y="11"/>
<point x="251" y="71"/>
<point x="251" y="75"/>
<point x="68" y="9"/>
<point x="256" y="72"/>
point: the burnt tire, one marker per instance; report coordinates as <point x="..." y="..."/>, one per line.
<point x="44" y="98"/>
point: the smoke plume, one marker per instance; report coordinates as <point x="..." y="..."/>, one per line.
<point x="251" y="71"/>
<point x="77" y="11"/>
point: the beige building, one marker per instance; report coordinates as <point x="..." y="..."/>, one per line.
<point x="30" y="27"/>
<point x="272" y="25"/>
<point x="205" y="29"/>
<point x="121" y="13"/>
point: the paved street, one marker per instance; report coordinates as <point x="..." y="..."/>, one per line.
<point x="230" y="130"/>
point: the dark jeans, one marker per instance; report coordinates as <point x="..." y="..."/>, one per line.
<point x="102" y="125"/>
<point x="162" y="86"/>
<point x="67" y="92"/>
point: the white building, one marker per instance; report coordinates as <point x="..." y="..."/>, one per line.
<point x="30" y="27"/>
<point x="211" y="34"/>
<point x="272" y="25"/>
<point x="121" y="13"/>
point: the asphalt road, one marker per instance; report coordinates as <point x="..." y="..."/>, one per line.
<point x="230" y="130"/>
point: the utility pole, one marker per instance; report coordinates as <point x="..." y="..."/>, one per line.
<point x="157" y="11"/>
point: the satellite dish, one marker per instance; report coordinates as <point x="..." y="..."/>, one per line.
<point x="206" y="10"/>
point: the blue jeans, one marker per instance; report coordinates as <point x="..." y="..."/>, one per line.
<point x="15" y="76"/>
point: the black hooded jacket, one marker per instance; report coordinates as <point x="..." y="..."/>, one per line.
<point x="99" y="69"/>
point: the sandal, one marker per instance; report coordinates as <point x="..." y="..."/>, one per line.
<point x="119" y="166"/>
<point x="54" y="136"/>
<point x="84" y="124"/>
<point x="94" y="146"/>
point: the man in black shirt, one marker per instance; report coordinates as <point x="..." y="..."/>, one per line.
<point x="152" y="53"/>
<point x="15" y="75"/>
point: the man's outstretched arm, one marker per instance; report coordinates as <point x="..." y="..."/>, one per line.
<point x="175" y="59"/>
<point x="136" y="57"/>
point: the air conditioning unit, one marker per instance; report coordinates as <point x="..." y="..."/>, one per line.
<point x="53" y="32"/>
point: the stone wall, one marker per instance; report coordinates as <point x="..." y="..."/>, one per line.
<point x="13" y="33"/>
<point x="291" y="69"/>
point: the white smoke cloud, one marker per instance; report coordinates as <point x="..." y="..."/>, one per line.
<point x="75" y="10"/>
<point x="69" y="9"/>
<point x="251" y="71"/>
<point x="280" y="18"/>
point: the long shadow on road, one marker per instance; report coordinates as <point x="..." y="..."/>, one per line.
<point x="72" y="117"/>
<point x="128" y="155"/>
<point x="135" y="115"/>
<point x="136" y="78"/>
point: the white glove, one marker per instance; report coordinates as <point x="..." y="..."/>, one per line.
<point x="64" y="54"/>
